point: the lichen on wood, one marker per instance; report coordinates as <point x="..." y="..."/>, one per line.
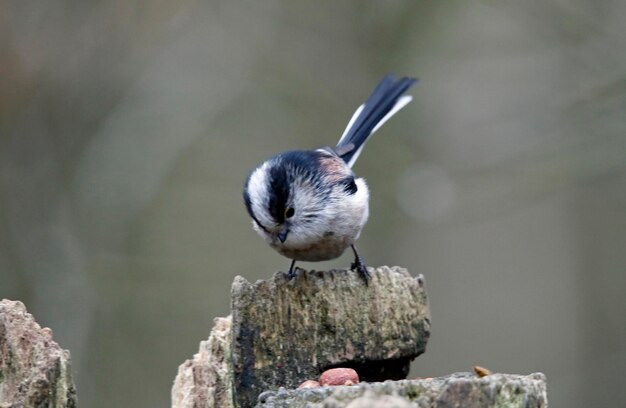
<point x="455" y="390"/>
<point x="286" y="330"/>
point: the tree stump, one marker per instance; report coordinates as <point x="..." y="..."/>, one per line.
<point x="284" y="331"/>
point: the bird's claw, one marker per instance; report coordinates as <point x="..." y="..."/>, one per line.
<point x="292" y="271"/>
<point x="360" y="267"/>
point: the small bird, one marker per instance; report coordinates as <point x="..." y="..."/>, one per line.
<point x="308" y="204"/>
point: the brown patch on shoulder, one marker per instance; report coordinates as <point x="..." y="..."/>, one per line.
<point x="336" y="168"/>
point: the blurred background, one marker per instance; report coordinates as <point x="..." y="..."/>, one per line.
<point x="128" y="127"/>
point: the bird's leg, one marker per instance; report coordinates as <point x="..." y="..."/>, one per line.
<point x="359" y="265"/>
<point x="291" y="274"/>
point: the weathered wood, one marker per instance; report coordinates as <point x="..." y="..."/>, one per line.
<point x="456" y="390"/>
<point x="34" y="370"/>
<point x="205" y="381"/>
<point x="286" y="331"/>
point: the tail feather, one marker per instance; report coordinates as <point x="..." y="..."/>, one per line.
<point x="386" y="99"/>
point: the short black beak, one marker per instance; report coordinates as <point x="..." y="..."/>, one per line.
<point x="282" y="235"/>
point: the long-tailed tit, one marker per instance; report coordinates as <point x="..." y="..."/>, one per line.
<point x="308" y="204"/>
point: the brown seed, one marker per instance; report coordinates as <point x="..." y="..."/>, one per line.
<point x="482" y="371"/>
<point x="339" y="376"/>
<point x="309" y="384"/>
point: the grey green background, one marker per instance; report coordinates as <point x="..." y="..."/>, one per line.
<point x="128" y="127"/>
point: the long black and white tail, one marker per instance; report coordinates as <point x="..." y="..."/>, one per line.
<point x="386" y="99"/>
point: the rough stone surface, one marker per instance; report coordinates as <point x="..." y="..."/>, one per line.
<point x="371" y="400"/>
<point x="206" y="379"/>
<point x="34" y="370"/>
<point x="456" y="390"/>
<point x="288" y="331"/>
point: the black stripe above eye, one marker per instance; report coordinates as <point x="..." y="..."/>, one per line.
<point x="349" y="185"/>
<point x="278" y="192"/>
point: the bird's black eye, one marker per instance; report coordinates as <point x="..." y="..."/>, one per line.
<point x="289" y="212"/>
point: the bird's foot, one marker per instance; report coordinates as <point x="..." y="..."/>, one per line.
<point x="292" y="271"/>
<point x="360" y="267"/>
